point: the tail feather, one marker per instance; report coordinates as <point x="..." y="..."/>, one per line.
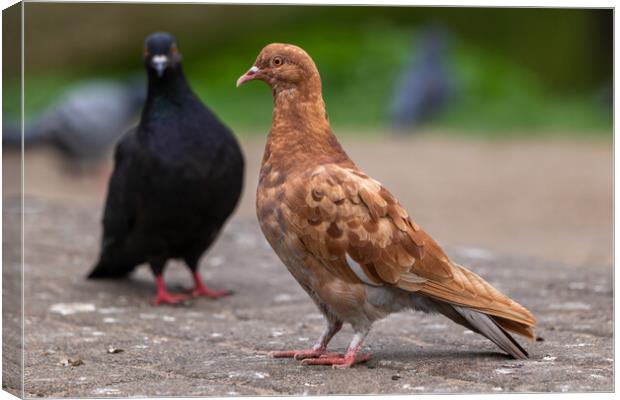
<point x="113" y="264"/>
<point x="106" y="270"/>
<point x="515" y="327"/>
<point x="469" y="290"/>
<point x="488" y="326"/>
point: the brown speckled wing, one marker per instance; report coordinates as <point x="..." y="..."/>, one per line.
<point x="340" y="212"/>
<point x="357" y="228"/>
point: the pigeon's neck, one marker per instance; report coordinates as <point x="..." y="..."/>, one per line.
<point x="171" y="86"/>
<point x="300" y="126"/>
<point x="301" y="110"/>
<point x="167" y="97"/>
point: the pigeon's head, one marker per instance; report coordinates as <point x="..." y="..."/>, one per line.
<point x="161" y="53"/>
<point x="282" y="66"/>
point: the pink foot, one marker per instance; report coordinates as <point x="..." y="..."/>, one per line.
<point x="170" y="298"/>
<point x="338" y="361"/>
<point x="300" y="354"/>
<point x="164" y="296"/>
<point x="201" y="290"/>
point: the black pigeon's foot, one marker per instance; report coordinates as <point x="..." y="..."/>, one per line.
<point x="202" y="290"/>
<point x="170" y="298"/>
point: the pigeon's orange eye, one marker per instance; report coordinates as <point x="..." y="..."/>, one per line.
<point x="173" y="50"/>
<point x="277" y="61"/>
<point x="146" y="52"/>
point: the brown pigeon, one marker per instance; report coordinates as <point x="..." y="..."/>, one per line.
<point x="345" y="238"/>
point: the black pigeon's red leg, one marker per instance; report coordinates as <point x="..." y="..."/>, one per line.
<point x="164" y="296"/>
<point x="200" y="289"/>
<point x="349" y="359"/>
<point x="318" y="350"/>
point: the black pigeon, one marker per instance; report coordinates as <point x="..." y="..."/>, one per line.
<point x="177" y="178"/>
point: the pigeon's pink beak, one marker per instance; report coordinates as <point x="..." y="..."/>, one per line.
<point x="248" y="76"/>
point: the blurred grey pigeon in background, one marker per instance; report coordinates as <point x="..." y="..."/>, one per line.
<point x="425" y="84"/>
<point x="85" y="122"/>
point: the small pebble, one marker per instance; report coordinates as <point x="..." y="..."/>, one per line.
<point x="70" y="362"/>
<point x="114" y="350"/>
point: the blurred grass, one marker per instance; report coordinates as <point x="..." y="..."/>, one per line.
<point x="359" y="65"/>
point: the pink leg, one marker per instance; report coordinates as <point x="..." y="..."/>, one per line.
<point x="318" y="350"/>
<point x="164" y="296"/>
<point x="349" y="359"/>
<point x="200" y="289"/>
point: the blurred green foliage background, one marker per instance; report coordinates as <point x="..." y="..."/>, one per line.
<point x="518" y="71"/>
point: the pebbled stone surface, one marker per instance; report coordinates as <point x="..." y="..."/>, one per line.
<point x="219" y="348"/>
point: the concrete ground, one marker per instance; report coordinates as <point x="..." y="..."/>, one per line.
<point x="91" y="339"/>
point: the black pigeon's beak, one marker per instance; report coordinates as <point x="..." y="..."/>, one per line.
<point x="160" y="63"/>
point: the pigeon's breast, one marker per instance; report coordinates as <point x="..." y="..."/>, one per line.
<point x="269" y="198"/>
